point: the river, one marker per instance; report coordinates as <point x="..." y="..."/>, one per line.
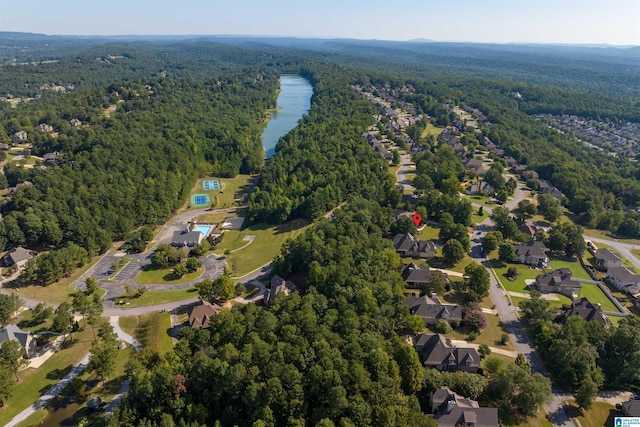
<point x="294" y="101"/>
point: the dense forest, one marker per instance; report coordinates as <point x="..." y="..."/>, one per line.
<point x="133" y="167"/>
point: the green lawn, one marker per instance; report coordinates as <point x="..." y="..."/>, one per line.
<point x="164" y="276"/>
<point x="152" y="330"/>
<point x="490" y="336"/>
<point x="600" y="414"/>
<point x="439" y="262"/>
<point x="160" y="297"/>
<point x="595" y="295"/>
<point x="429" y="232"/>
<point x="524" y="273"/>
<point x="66" y="407"/>
<point x="267" y="242"/>
<point x="431" y="130"/>
<point x="562" y="300"/>
<point x="477" y="198"/>
<point x="541" y="420"/>
<point x="34" y="382"/>
<point x="577" y="271"/>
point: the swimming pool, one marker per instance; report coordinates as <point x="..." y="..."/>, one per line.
<point x="204" y="229"/>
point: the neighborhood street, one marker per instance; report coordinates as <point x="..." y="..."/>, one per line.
<point x="401" y="174"/>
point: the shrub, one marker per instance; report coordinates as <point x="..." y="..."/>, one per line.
<point x="442" y="327"/>
<point x="504" y="339"/>
<point x="472" y="336"/>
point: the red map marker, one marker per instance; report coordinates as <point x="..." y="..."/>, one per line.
<point x="417" y="219"/>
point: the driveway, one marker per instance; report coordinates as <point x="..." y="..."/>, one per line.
<point x="401" y="174"/>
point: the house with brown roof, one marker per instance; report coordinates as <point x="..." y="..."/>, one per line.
<point x="532" y="253"/>
<point x="622" y="277"/>
<point x="408" y="245"/>
<point x="452" y="410"/>
<point x="18" y="256"/>
<point x="432" y="310"/>
<point x="528" y="228"/>
<point x="278" y="285"/>
<point x="51" y="158"/>
<point x="200" y="314"/>
<point x="26" y="339"/>
<point x="547" y="188"/>
<point x="606" y="259"/>
<point x="436" y="351"/>
<point x="558" y="281"/>
<point x="4" y="146"/>
<point x="588" y="311"/>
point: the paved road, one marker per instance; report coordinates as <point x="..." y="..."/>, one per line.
<point x="401" y="174"/>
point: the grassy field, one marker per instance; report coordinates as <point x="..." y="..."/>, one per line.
<point x="152" y="330"/>
<point x="431" y="130"/>
<point x="267" y="242"/>
<point x="164" y="276"/>
<point x="161" y="297"/>
<point x="524" y="273"/>
<point x="541" y="420"/>
<point x="67" y="410"/>
<point x="562" y="300"/>
<point x="428" y="233"/>
<point x="225" y="197"/>
<point x="490" y="336"/>
<point x="577" y="272"/>
<point x="596" y="296"/>
<point x="600" y="414"/>
<point x="439" y="262"/>
<point x="34" y="382"/>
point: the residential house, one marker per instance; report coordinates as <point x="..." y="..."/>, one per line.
<point x="75" y="122"/>
<point x="380" y="148"/>
<point x="452" y="410"/>
<point x="622" y="277"/>
<point x="26" y="339"/>
<point x="436" y="351"/>
<point x="43" y="127"/>
<point x="606" y="259"/>
<point x="200" y="314"/>
<point x="475" y="166"/>
<point x="19" y="137"/>
<point x="51" y="158"/>
<point x="532" y="253"/>
<point x="558" y="281"/>
<point x="416" y="276"/>
<point x="407" y="245"/>
<point x="399" y="213"/>
<point x="432" y="310"/>
<point x="588" y="311"/>
<point x="481" y="187"/>
<point x="186" y="238"/>
<point x="447" y="137"/>
<point x="547" y="188"/>
<point x="528" y="228"/>
<point x="18" y="256"/>
<point x="12" y="190"/>
<point x="4" y="146"/>
<point x="631" y="408"/>
<point x="529" y="174"/>
<point x="278" y="285"/>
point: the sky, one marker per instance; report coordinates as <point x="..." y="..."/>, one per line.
<point x="615" y="22"/>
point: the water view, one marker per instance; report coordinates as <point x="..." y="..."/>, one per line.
<point x="294" y="101"/>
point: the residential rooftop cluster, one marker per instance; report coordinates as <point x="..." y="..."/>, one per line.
<point x="621" y="139"/>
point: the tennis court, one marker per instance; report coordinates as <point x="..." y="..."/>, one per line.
<point x="200" y="200"/>
<point x="211" y="184"/>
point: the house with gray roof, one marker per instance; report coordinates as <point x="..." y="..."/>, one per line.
<point x="417" y="276"/>
<point x="278" y="285"/>
<point x="481" y="187"/>
<point x="532" y="253"/>
<point x="622" y="277"/>
<point x="436" y="351"/>
<point x="18" y="256"/>
<point x="26" y="339"/>
<point x="408" y="245"/>
<point x="558" y="281"/>
<point x="631" y="408"/>
<point x="606" y="259"/>
<point x="452" y="410"/>
<point x="186" y="238"/>
<point x="588" y="311"/>
<point x="432" y="310"/>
